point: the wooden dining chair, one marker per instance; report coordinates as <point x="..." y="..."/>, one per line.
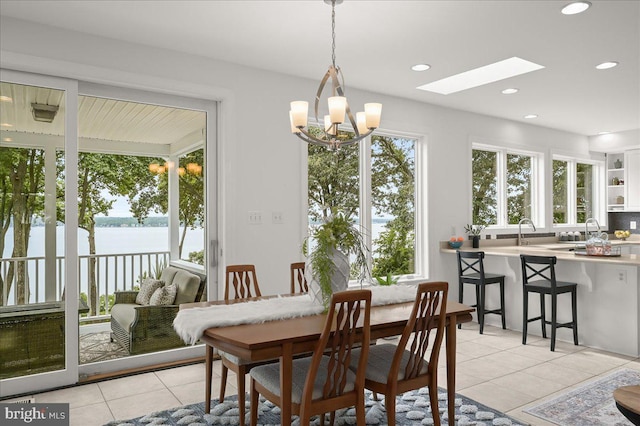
<point x="241" y="280"/>
<point x="298" y="281"/>
<point x="324" y="382"/>
<point x="410" y="365"/>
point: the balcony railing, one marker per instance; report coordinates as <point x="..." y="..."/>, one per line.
<point x="113" y="272"/>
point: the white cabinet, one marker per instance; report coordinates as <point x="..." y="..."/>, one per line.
<point x="623" y="181"/>
<point x="632" y="180"/>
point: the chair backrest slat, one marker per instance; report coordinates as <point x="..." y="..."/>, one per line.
<point x="298" y="281"/>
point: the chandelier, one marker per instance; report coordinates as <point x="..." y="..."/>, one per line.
<point x="364" y="123"/>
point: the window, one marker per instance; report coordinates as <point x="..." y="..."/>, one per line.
<point x="504" y="186"/>
<point x="373" y="184"/>
<point x="574" y="180"/>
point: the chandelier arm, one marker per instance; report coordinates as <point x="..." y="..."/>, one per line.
<point x="323" y="82"/>
<point x="309" y="138"/>
<point x="338" y="81"/>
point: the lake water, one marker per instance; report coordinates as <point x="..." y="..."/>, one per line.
<point x="111" y="240"/>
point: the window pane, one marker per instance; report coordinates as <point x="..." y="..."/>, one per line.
<point x="393" y="205"/>
<point x="584" y="191"/>
<point x="334" y="183"/>
<point x="519" y="182"/>
<point x="485" y="180"/>
<point x="560" y="199"/>
<point x="191" y="211"/>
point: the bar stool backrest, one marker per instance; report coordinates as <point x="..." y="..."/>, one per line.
<point x="538" y="268"/>
<point x="470" y="262"/>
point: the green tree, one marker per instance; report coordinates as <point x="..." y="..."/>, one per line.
<point x="21" y="199"/>
<point x="484" y="187"/>
<point x="393" y="194"/>
<point x="191" y="191"/>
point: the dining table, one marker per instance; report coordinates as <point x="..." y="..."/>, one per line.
<point x="285" y="338"/>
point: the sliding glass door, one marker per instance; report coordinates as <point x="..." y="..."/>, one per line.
<point x="38" y="307"/>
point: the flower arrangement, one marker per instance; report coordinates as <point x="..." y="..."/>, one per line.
<point x="474" y="230"/>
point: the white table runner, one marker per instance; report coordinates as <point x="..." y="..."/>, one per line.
<point x="191" y="323"/>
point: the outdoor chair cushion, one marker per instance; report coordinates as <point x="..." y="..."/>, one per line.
<point x="188" y="285"/>
<point x="124" y="313"/>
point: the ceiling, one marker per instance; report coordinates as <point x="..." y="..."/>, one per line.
<point x="378" y="41"/>
<point x="99" y="119"/>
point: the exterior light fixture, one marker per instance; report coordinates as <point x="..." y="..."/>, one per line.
<point x="44" y="113"/>
<point x="363" y="124"/>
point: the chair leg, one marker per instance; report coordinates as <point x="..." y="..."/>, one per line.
<point x="254" y="403"/>
<point x="360" y="411"/>
<point x="390" y="406"/>
<point x="574" y="311"/>
<point x="554" y="318"/>
<point x="242" y="371"/>
<point x="477" y="305"/>
<point x="460" y="298"/>
<point x="543" y="316"/>
<point x="525" y="315"/>
<point x="209" y="374"/>
<point x="481" y="307"/>
<point x="502" y="312"/>
<point x="223" y="383"/>
<point x="433" y="399"/>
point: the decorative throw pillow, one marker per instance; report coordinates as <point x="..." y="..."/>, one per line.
<point x="164" y="295"/>
<point x="147" y="288"/>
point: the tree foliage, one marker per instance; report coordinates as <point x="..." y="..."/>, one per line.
<point x="334" y="185"/>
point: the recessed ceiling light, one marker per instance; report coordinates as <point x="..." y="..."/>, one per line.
<point x="4" y="98"/>
<point x="603" y="133"/>
<point x="510" y="91"/>
<point x="421" y="67"/>
<point x="480" y="76"/>
<point x="6" y="125"/>
<point x="576" y="7"/>
<point x="7" y="139"/>
<point x="606" y="65"/>
<point x="531" y="116"/>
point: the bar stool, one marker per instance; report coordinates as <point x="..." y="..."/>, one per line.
<point x="543" y="267"/>
<point x="471" y="271"/>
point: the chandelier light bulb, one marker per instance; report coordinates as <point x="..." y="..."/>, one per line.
<point x="373" y="111"/>
<point x="294" y="129"/>
<point x="299" y="112"/>
<point x="361" y="121"/>
<point x="337" y="109"/>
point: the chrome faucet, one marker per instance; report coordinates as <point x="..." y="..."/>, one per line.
<point x="521" y="240"/>
<point x="586" y="227"/>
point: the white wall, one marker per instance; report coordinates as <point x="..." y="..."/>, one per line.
<point x="260" y="158"/>
<point x="616" y="142"/>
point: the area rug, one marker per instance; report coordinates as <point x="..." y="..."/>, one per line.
<point x="96" y="347"/>
<point x="591" y="404"/>
<point x="412" y="408"/>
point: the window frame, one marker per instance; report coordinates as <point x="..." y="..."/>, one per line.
<point x="421" y="262"/>
<point x="598" y="193"/>
<point x="538" y="204"/>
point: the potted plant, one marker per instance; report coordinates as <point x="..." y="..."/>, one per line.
<point x="328" y="269"/>
<point x="474" y="233"/>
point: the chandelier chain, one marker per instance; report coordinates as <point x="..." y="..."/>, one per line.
<point x="333" y="33"/>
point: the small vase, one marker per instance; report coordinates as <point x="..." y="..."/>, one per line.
<point x="475" y="241"/>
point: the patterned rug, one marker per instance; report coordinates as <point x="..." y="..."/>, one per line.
<point x="412" y="408"/>
<point x="589" y="405"/>
<point x="96" y="347"/>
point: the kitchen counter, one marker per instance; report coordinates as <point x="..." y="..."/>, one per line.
<point x="608" y="289"/>
<point x="551" y="247"/>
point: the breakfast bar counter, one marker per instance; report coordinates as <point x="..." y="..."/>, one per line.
<point x="608" y="288"/>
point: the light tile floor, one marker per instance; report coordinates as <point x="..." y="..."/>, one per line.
<point x="494" y="369"/>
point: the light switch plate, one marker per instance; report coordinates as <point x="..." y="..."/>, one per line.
<point x="632" y="224"/>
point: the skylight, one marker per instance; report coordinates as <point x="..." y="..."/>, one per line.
<point x="480" y="76"/>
